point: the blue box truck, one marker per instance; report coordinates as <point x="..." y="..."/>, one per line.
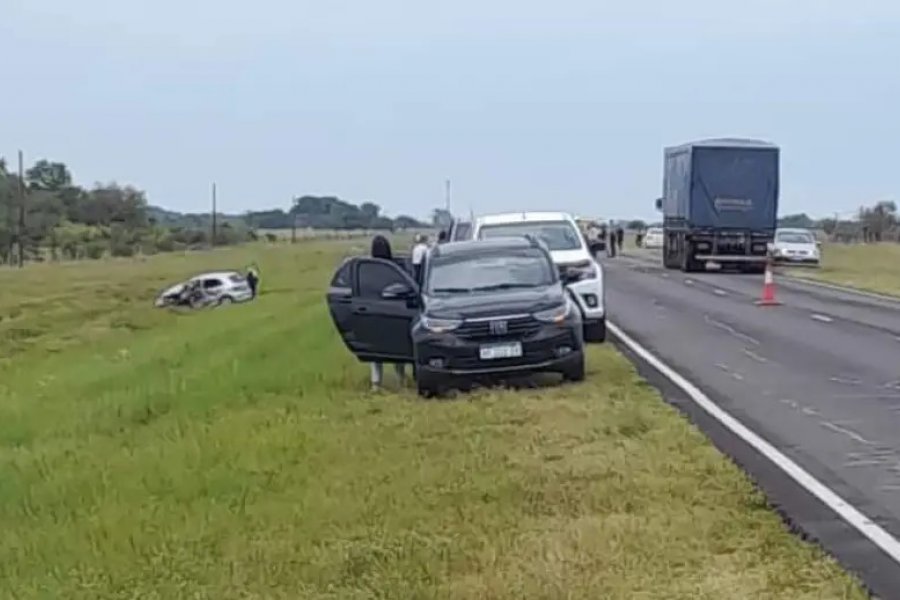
<point x="719" y="204"/>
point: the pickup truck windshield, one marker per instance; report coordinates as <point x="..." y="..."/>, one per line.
<point x="558" y="235"/>
<point x="486" y="272"/>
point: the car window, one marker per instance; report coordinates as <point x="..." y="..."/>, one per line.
<point x="373" y="277"/>
<point x="490" y="271"/>
<point x="794" y="237"/>
<point x="211" y="283"/>
<point x="341" y="278"/>
<point x="558" y="235"/>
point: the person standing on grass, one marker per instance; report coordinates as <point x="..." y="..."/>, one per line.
<point x="381" y="248"/>
<point x="252" y="281"/>
<point x="418" y="256"/>
<point x="620" y="237"/>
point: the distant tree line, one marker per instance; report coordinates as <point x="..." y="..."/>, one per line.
<point x="328" y="212"/>
<point x="46" y="216"/>
<point x="877" y="223"/>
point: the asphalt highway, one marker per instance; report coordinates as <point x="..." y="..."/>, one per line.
<point x="817" y="377"/>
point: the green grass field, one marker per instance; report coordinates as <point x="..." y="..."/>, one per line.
<point x="874" y="267"/>
<point x="237" y="454"/>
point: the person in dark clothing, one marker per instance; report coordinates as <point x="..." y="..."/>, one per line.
<point x="381" y="248"/>
<point x="620" y="237"/>
<point x="442" y="236"/>
<point x="252" y="281"/>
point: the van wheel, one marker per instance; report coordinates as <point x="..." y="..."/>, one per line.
<point x="225" y="300"/>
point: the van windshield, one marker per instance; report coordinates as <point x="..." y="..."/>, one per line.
<point x="558" y="235"/>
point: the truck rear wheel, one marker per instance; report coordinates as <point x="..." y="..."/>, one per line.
<point x="668" y="261"/>
<point x="688" y="264"/>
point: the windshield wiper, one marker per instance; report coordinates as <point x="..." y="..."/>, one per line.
<point x="503" y="286"/>
<point x="451" y="290"/>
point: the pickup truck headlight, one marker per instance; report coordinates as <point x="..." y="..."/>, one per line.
<point x="582" y="271"/>
<point x="557" y="314"/>
<point x="439" y="325"/>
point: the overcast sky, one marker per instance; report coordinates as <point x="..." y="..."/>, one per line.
<point x="524" y="104"/>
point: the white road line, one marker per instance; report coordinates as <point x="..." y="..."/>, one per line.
<point x="719" y="292"/>
<point x="822" y="318"/>
<point x="849" y="513"/>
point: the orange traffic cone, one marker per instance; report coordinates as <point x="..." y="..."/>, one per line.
<point x="768" y="291"/>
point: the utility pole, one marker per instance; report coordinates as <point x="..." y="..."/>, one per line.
<point x="447" y="196"/>
<point x="212" y="241"/>
<point x="293" y="221"/>
<point x="20" y="236"/>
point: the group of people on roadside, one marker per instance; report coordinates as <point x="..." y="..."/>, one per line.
<point x="613" y="239"/>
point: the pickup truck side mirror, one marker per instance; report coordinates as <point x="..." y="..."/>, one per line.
<point x="658" y="204"/>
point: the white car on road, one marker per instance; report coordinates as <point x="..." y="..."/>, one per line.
<point x="796" y="246"/>
<point x="570" y="253"/>
<point x="653" y="239"/>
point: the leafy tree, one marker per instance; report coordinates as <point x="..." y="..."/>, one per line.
<point x="801" y="221"/>
<point x="50" y="176"/>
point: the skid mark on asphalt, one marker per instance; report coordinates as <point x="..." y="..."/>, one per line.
<point x="847" y="432"/>
<point x="755" y="356"/>
<point x="845" y="381"/>
<point x="731" y="330"/>
<point x="730" y="371"/>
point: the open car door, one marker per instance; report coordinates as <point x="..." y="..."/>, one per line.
<point x="373" y="303"/>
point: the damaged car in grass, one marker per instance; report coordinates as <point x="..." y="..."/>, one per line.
<point x="486" y="309"/>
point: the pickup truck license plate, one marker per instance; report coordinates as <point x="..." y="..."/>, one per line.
<point x="495" y="351"/>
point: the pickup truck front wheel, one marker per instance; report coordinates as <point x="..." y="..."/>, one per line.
<point x="595" y="331"/>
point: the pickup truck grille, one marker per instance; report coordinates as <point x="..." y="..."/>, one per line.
<point x="518" y="328"/>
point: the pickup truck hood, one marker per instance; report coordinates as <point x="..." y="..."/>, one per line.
<point x="568" y="257"/>
<point x="489" y="304"/>
<point x="786" y="247"/>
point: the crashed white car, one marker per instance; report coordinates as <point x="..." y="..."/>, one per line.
<point x="213" y="288"/>
<point x="798" y="246"/>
